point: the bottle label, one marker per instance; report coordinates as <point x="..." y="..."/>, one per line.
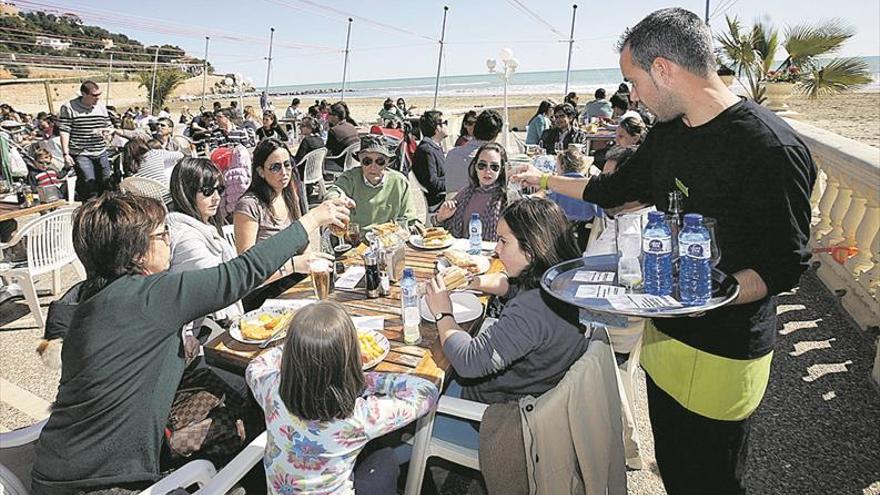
<point x="696" y="250"/>
<point x="657" y="245"/>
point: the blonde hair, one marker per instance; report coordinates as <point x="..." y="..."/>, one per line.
<point x="572" y="161"/>
<point x="249" y="112"/>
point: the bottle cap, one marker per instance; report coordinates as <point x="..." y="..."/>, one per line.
<point x="408" y="272"/>
<point x="693" y="219"/>
<point x="654" y="216"/>
<point x="475" y="216"/>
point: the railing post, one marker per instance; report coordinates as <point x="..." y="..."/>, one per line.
<point x="828" y="199"/>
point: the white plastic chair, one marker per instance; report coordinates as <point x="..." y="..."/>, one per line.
<point x="347" y="154"/>
<point x="49" y="248"/>
<point x="314" y="170"/>
<point x="71" y="187"/>
<point x="145" y="186"/>
<point x="198" y="472"/>
<point x="235" y="470"/>
<point x="229" y="234"/>
<point x="17" y="458"/>
<point x="417" y="196"/>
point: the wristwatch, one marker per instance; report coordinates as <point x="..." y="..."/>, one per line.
<point x="439" y="316"/>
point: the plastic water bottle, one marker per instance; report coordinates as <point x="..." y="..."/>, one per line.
<point x="409" y="305"/>
<point x="657" y="255"/>
<point x="694" y="249"/>
<point x="475" y="244"/>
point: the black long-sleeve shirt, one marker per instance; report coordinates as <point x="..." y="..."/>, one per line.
<point x="427" y="165"/>
<point x="752" y="172"/>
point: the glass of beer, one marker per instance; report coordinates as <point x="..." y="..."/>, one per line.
<point x="319" y="270"/>
<point x="353" y="235"/>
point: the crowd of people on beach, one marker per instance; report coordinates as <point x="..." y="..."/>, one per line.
<point x="158" y="268"/>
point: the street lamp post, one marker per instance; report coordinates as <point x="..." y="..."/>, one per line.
<point x="508" y="67"/>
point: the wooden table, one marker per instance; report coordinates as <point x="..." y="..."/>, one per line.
<point x="425" y="359"/>
<point x="10" y="211"/>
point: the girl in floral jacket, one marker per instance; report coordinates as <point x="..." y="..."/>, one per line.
<point x="321" y="409"/>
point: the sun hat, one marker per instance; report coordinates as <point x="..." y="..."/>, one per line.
<point x="373" y="144"/>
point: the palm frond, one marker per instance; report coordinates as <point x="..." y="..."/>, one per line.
<point x="804" y="41"/>
<point x="838" y="75"/>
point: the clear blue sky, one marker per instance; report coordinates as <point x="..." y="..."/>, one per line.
<point x="476" y="30"/>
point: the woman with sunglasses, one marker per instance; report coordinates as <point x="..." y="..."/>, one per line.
<point x="197" y="231"/>
<point x="274" y="200"/>
<point x="486" y="194"/>
<point x="466" y="133"/>
<point x="270" y="128"/>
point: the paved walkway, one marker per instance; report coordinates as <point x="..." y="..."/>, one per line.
<point x="817" y="431"/>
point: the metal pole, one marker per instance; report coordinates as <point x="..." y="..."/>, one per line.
<point x="345" y="63"/>
<point x="153" y="86"/>
<point x="707" y="12"/>
<point x="205" y="70"/>
<point x="269" y="62"/>
<point x="506" y="113"/>
<point x="109" y="79"/>
<point x="574" y="9"/>
<point x="440" y="57"/>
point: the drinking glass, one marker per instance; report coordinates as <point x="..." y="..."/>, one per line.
<point x="629" y="273"/>
<point x="558" y="147"/>
<point x="320" y="270"/>
<point x="353" y="235"/>
<point x="340" y="232"/>
<point x="712" y="226"/>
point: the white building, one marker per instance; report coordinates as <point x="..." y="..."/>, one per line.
<point x="53" y="43"/>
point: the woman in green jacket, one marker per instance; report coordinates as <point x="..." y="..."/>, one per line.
<point x="122" y="358"/>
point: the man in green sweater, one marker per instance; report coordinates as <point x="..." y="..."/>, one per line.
<point x="381" y="195"/>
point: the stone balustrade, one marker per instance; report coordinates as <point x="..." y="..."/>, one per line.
<point x="846" y="213"/>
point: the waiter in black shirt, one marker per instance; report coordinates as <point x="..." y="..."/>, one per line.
<point x="739" y="163"/>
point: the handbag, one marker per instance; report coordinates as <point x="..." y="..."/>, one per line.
<point x="206" y="418"/>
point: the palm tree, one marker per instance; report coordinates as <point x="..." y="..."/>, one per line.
<point x="751" y="52"/>
<point x="166" y="81"/>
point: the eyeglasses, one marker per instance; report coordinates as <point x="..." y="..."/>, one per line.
<point x="165" y="236"/>
<point x="494" y="166"/>
<point x="161" y="125"/>
<point x="208" y="191"/>
<point x="444" y="122"/>
<point x="470" y="122"/>
<point x="559" y="116"/>
<point x="367" y="161"/>
<point x="276" y="167"/>
<point x="95" y="94"/>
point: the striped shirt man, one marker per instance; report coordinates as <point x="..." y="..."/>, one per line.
<point x="81" y="122"/>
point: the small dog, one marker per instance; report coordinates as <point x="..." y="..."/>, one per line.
<point x="50" y="353"/>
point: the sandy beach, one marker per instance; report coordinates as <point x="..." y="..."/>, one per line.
<point x="854" y="115"/>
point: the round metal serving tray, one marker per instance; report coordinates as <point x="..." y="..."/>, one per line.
<point x="558" y="282"/>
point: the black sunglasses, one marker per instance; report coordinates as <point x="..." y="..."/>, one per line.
<point x="208" y="191"/>
<point x="367" y="161"/>
<point x="494" y="166"/>
<point x="559" y="115"/>
<point x="470" y="122"/>
<point x="276" y="167"/>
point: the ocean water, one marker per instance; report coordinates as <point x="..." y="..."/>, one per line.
<point x="584" y="82"/>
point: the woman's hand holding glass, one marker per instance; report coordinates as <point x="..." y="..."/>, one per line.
<point x="527" y="175"/>
<point x="447" y="209"/>
<point x="331" y="212"/>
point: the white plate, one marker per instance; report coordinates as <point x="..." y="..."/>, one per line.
<point x="483" y="263"/>
<point x="464" y="245"/>
<point x="465" y="307"/>
<point x="235" y="331"/>
<point x="417" y="241"/>
<point x="383" y="343"/>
